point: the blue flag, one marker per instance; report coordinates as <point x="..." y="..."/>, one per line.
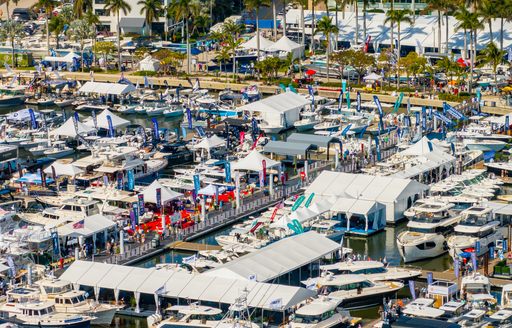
<point x="358" y="98"/>
<point x="141" y="204"/>
<point x="131" y="180"/>
<point x="32" y="118"/>
<point x="156" y="133"/>
<point x="412" y="289"/>
<point x="197" y="183"/>
<point x="227" y="171"/>
<point x="158" y="198"/>
<point x="111" y="132"/>
<point x="189" y="118"/>
<point x="94" y="119"/>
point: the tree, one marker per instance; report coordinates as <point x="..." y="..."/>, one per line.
<point x="463" y="16"/>
<point x="504" y="13"/>
<point x="488" y="11"/>
<point x="303" y="4"/>
<point x="469" y="21"/>
<point x="342" y="59"/>
<point x="397" y="17"/>
<point x="56" y="26"/>
<point x="493" y="56"/>
<point x="223" y="56"/>
<point x="326" y="27"/>
<point x="181" y="10"/>
<point x="447" y="66"/>
<point x="80" y="7"/>
<point x="47" y="6"/>
<point x="12" y="30"/>
<point x="93" y="20"/>
<point x="104" y="48"/>
<point x="67" y="14"/>
<point x="116" y="6"/>
<point x="81" y="31"/>
<point x="439" y="6"/>
<point x="255" y="5"/>
<point x="361" y="61"/>
<point x="151" y="10"/>
<point x="269" y="67"/>
<point x="413" y="64"/>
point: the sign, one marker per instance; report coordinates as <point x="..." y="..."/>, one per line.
<point x="453" y="112"/>
<point x="94" y="119"/>
<point x="252" y="277"/>
<point x="475" y="261"/>
<point x="456" y="267"/>
<point x="430" y="278"/>
<point x="358" y="101"/>
<point x="309" y="200"/>
<point x="412" y="289"/>
<point x="477" y="247"/>
<point x="156" y="133"/>
<point x="32" y="118"/>
<point x="131" y="180"/>
<point x="227" y="171"/>
<point x="136" y="212"/>
<point x="197" y="183"/>
<point x="159" y="198"/>
<point x="189" y="118"/>
<point x="120" y="180"/>
<point x="141" y="204"/>
<point x="111" y="132"/>
<point x="189" y="259"/>
<point x="276" y="304"/>
<point x="55" y="242"/>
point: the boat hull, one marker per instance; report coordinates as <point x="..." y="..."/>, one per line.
<point x="59" y="154"/>
<point x="486" y="146"/>
<point x="12" y="101"/>
<point x="411" y="251"/>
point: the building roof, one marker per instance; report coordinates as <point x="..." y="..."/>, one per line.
<point x="105" y="88"/>
<point x="91" y="225"/>
<point x="132" y="22"/>
<point x="280" y="103"/>
<point x="184" y="285"/>
<point x="287" y="148"/>
<point x="253" y="162"/>
<point x="363" y="186"/>
<point x="277" y="258"/>
<point x="312" y="139"/>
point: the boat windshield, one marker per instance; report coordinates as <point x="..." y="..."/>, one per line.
<point x="429" y="217"/>
<point x="312" y="319"/>
<point x="207" y="317"/>
<point x="57" y="289"/>
<point x="474" y="220"/>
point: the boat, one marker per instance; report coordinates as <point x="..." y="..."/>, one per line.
<point x="155" y="108"/>
<point x="484" y="145"/>
<point x="68" y="300"/>
<point x="355" y="291"/>
<point x="372" y="270"/>
<point x="39" y="150"/>
<point x="427" y="231"/>
<point x="70" y="210"/>
<point x="307" y="122"/>
<point x="87" y="106"/>
<point x="473" y="319"/>
<point x="331" y="122"/>
<point x="175" y="109"/>
<point x="322" y="312"/>
<point x="58" y="150"/>
<point x="12" y="95"/>
<point x="126" y="109"/>
<point x="506" y="297"/>
<point x="477" y="225"/>
<point x="475" y="287"/>
<point x="62" y="102"/>
<point x="501" y="318"/>
<point x="329" y="228"/>
<point x="423" y="308"/>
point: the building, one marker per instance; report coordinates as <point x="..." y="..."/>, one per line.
<point x="134" y="22"/>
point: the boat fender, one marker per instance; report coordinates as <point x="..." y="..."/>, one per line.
<point x="153" y="319"/>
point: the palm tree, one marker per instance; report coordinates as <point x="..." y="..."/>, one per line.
<point x="117" y="6"/>
<point x="7" y="8"/>
<point x="365" y="7"/>
<point x="462" y="16"/>
<point x="488" y="11"/>
<point x="93" y="20"/>
<point x="504" y="13"/>
<point x="82" y="30"/>
<point x="80" y="7"/>
<point x="397" y="17"/>
<point x="56" y="26"/>
<point x="47" y="6"/>
<point x="302" y="4"/>
<point x="12" y="30"/>
<point x="181" y="10"/>
<point x="469" y="21"/>
<point x="255" y="5"/>
<point x="439" y="6"/>
<point x="493" y="56"/>
<point x="151" y="10"/>
<point x="326" y="27"/>
<point x="392" y="25"/>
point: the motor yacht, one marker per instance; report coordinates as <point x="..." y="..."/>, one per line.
<point x="322" y="312"/>
<point x="175" y="109"/>
<point x="427" y="231"/>
<point x="477" y="224"/>
<point x="331" y="122"/>
<point x="307" y="122"/>
<point x="372" y="270"/>
<point x="423" y="308"/>
<point x="240" y="238"/>
<point x="72" y="209"/>
<point x="474" y="318"/>
<point x="506" y="296"/>
<point x="484" y="145"/>
<point x="331" y="229"/>
<point x="474" y="287"/>
<point x="355" y="291"/>
<point x="58" y="150"/>
<point x="72" y="301"/>
<point x="501" y="318"/>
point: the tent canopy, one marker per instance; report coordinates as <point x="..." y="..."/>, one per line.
<point x="210" y="142"/>
<point x="91" y="225"/>
<point x="21" y="115"/>
<point x="33" y="178"/>
<point x="105" y="88"/>
<point x="211" y="190"/>
<point x="65" y="59"/>
<point x="117" y="122"/>
<point x="287" y="148"/>
<point x="280" y="103"/>
<point x="61" y="168"/>
<point x="68" y="129"/>
<point x="253" y="162"/>
<point x="284" y="44"/>
<point x="372" y="77"/>
<point x="166" y="193"/>
<point x="253" y="43"/>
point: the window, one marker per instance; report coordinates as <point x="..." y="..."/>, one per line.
<point x="68" y="301"/>
<point x="102" y="12"/>
<point x="67" y="208"/>
<point x="427" y="245"/>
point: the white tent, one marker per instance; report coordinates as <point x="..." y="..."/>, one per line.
<point x="61" y="168"/>
<point x="253" y="162"/>
<point x="210" y="142"/>
<point x="104" y="88"/>
<point x="167" y="194"/>
<point x="65" y="59"/>
<point x="253" y="43"/>
<point x="286" y="45"/>
<point x="149" y="64"/>
<point x="21" y="115"/>
<point x="68" y="129"/>
<point x="117" y="122"/>
<point x="211" y="190"/>
<point x="91" y="225"/>
<point x="372" y="77"/>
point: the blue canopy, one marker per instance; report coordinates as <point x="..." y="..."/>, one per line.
<point x="34" y="178"/>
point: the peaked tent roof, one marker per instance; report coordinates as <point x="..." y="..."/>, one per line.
<point x="68" y="129"/>
<point x="280" y="103"/>
<point x="253" y="43"/>
<point x="253" y="162"/>
<point x="421" y="147"/>
<point x="117" y="122"/>
<point x="91" y="225"/>
<point x="167" y="194"/>
<point x="210" y="142"/>
<point x="211" y="190"/>
<point x="61" y="168"/>
<point x="105" y="88"/>
<point x="284" y="44"/>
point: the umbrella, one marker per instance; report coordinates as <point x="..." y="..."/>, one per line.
<point x="310" y="72"/>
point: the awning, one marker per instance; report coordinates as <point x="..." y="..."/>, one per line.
<point x="287" y="148"/>
<point x="312" y="139"/>
<point x="104" y="88"/>
<point x="132" y="22"/>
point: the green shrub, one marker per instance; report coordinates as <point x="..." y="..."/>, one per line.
<point x="145" y="73"/>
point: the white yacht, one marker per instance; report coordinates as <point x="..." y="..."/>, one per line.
<point x="199" y="316"/>
<point x="506" y="297"/>
<point x="71" y="210"/>
<point x="58" y="150"/>
<point x="484" y="145"/>
<point x="322" y="312"/>
<point x="427" y="231"/>
<point x="236" y="239"/>
<point x="477" y="224"/>
<point x="331" y="229"/>
<point x="307" y="122"/>
<point x="355" y="291"/>
<point x="23" y="308"/>
<point x="501" y="318"/>
<point x="474" y="318"/>
<point x="423" y="308"/>
<point x="331" y="122"/>
<point x="72" y="301"/>
<point x="475" y="286"/>
<point x="372" y="270"/>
